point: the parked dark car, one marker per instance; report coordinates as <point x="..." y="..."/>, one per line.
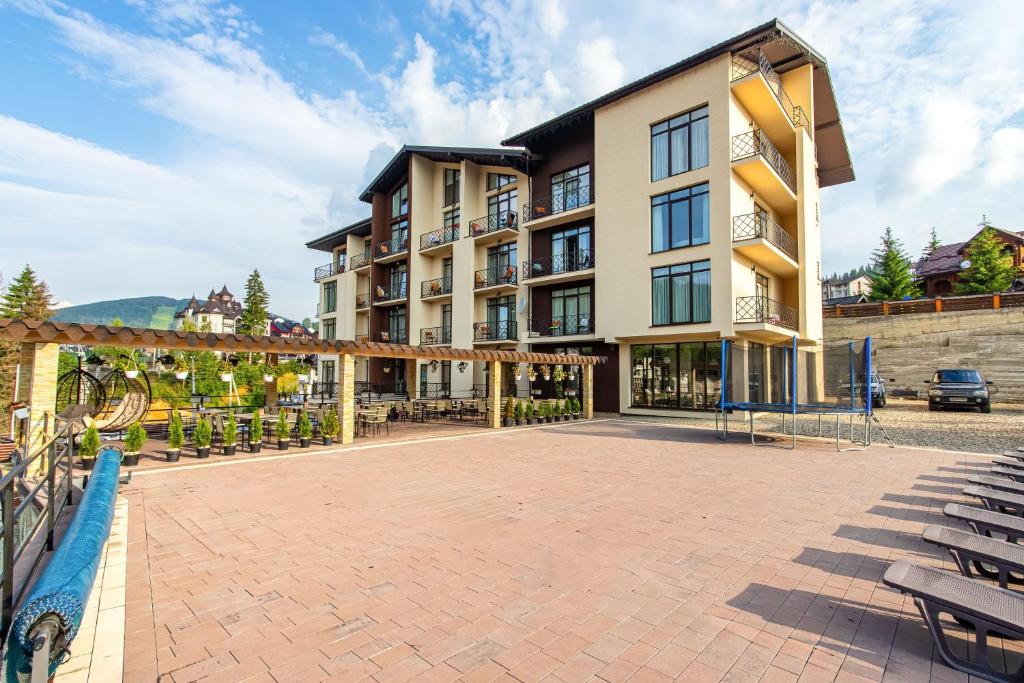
<point x="879" y="396"/>
<point x="959" y="388"/>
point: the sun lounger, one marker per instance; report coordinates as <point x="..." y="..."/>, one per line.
<point x="1001" y="483"/>
<point x="1018" y="454"/>
<point x="982" y="555"/>
<point x="986" y="523"/>
<point x="1009" y="462"/>
<point x="1009" y="472"/>
<point x="996" y="500"/>
<point x="992" y="612"/>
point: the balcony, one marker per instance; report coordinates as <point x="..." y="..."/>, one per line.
<point x="497" y="279"/>
<point x="439" y="241"/>
<point x="437" y="289"/>
<point x="329" y="270"/>
<point x="435" y="335"/>
<point x="496" y="332"/>
<point x="765" y="242"/>
<point x="435" y="390"/>
<point x="362" y="301"/>
<point x="395" y="249"/>
<point x="574" y="265"/>
<point x="761" y="165"/>
<point x="392" y="337"/>
<point x="363" y="336"/>
<point x="562" y="326"/>
<point x="766" y="319"/>
<point x="560" y="207"/>
<point x="495" y="227"/>
<point x="360" y="261"/>
<point x="759" y="89"/>
<point x="393" y="295"/>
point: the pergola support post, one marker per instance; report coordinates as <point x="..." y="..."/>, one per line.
<point x="347" y="397"/>
<point x="38" y="389"/>
<point x="270" y="388"/>
<point x="410" y="378"/>
<point x="587" y="404"/>
<point x="494" y="394"/>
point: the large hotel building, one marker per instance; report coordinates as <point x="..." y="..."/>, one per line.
<point x="645" y="226"/>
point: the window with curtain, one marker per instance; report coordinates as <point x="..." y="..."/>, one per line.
<point x="681" y="293"/>
<point x="571" y="310"/>
<point x="330" y="297"/>
<point x="681" y="218"/>
<point x="679" y="144"/>
<point x="685" y="375"/>
<point x="451" y="186"/>
<point x="400" y="201"/>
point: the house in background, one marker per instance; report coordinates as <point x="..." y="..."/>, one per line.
<point x="937" y="275"/>
<point x="845" y="288"/>
<point x="220" y="310"/>
<point x="283" y="327"/>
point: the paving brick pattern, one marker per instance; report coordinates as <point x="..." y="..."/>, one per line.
<point x="605" y="551"/>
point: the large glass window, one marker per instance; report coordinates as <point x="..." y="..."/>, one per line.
<point x="330" y="297"/>
<point x="681" y="218"/>
<point x="679" y="144"/>
<point x="570" y="189"/>
<point x="497" y="180"/>
<point x="451" y="186"/>
<point x="396" y="325"/>
<point x="400" y="201"/>
<point x="686" y="375"/>
<point x="681" y="293"/>
<point x="500" y="257"/>
<point x="571" y="310"/>
<point x="451" y="219"/>
<point x="571" y="250"/>
<point x="329" y="329"/>
<point x="504" y="205"/>
<point x="399" y="277"/>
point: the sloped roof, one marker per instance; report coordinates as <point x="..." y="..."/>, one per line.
<point x="946" y="259"/>
<point x="845" y="300"/>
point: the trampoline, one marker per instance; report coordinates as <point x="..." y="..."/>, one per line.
<point x="827" y="380"/>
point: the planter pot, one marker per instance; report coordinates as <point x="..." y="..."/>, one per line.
<point x="131" y="374"/>
<point x="230" y="450"/>
<point x="328" y="440"/>
<point x="203" y="452"/>
<point x="268" y="378"/>
<point x="172" y="454"/>
<point x="304" y="443"/>
<point x="226" y="377"/>
<point x="130" y="459"/>
<point x="88" y="463"/>
<point x="530" y="420"/>
<point x="518" y="422"/>
<point x="282" y="445"/>
<point x="508" y="421"/>
<point x="181" y="375"/>
<point x="255" y="447"/>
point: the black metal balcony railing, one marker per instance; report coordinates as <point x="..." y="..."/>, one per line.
<point x="435" y="390"/>
<point x="507" y="220"/>
<point x="558" y="202"/>
<point x="436" y="335"/>
<point x="393" y="336"/>
<point x="755" y="143"/>
<point x="326" y="271"/>
<point x="761" y="309"/>
<point x="435" y="238"/>
<point x="398" y="290"/>
<point x="562" y="325"/>
<point x="395" y="245"/>
<point x="362" y="300"/>
<point x="500" y="330"/>
<point x="568" y="262"/>
<point x="437" y="287"/>
<point x="494" y="277"/>
<point x="752" y="62"/>
<point x="363" y="336"/>
<point x="760" y="224"/>
<point x="360" y="261"/>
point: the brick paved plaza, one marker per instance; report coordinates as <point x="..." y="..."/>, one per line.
<point x="607" y="549"/>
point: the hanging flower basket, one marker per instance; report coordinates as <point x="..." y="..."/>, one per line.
<point x="518" y="372"/>
<point x="268" y="378"/>
<point x="545" y="372"/>
<point x="226" y="376"/>
<point x="131" y="374"/>
<point x="181" y="375"/>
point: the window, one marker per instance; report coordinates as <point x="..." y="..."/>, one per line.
<point x="503" y="204"/>
<point x="571" y="250"/>
<point x="501" y="257"/>
<point x="679" y="144"/>
<point x="497" y="180"/>
<point x="571" y="310"/>
<point x="681" y="218"/>
<point x="400" y="201"/>
<point x="400" y="236"/>
<point x="327" y="372"/>
<point x="570" y="189"/>
<point x="451" y="220"/>
<point x="686" y="375"/>
<point x="451" y="186"/>
<point x="396" y="325"/>
<point x="681" y="293"/>
<point x="329" y="330"/>
<point x="330" y="297"/>
<point x="399" y="278"/>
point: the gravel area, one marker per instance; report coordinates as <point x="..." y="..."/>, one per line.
<point x="908" y="423"/>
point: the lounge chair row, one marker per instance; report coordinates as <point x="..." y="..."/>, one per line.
<point x="990" y="550"/>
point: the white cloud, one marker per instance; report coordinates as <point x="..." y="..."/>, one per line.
<point x="1006" y="158"/>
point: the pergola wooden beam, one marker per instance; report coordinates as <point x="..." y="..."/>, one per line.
<point x="35" y="331"/>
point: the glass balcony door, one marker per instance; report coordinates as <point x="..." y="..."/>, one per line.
<point x="570" y="250"/>
<point x="571" y="310"/>
<point x="570" y="189"/>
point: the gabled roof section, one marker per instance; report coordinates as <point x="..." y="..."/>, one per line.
<point x="333" y="240"/>
<point x="785" y="50"/>
<point x="399" y="164"/>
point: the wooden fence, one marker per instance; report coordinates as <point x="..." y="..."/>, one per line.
<point x="949" y="304"/>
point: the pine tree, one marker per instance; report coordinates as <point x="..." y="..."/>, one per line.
<point x="27" y="297"/>
<point x="255" y="315"/>
<point x="991" y="269"/>
<point x="932" y="246"/>
<point x="890" y="271"/>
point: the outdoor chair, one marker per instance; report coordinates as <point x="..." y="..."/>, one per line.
<point x="1008" y="462"/>
<point x="992" y="612"/>
<point x="1015" y="453"/>
<point x="997" y="501"/>
<point x="376" y="419"/>
<point x="974" y="554"/>
<point x="999" y="483"/>
<point x="987" y="523"/>
<point x="1009" y="472"/>
<point x="218" y="428"/>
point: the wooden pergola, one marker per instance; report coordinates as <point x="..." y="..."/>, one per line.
<point x="40" y="345"/>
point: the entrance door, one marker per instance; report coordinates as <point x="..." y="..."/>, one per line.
<point x="761" y="292"/>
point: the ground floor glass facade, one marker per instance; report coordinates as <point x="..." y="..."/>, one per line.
<point x="684" y="376"/>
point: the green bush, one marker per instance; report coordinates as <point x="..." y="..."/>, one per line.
<point x="256" y="427"/>
<point x="558" y="408"/>
<point x="510" y="410"/>
<point x="329" y="427"/>
<point x="230" y="430"/>
<point x="202" y="435"/>
<point x="90" y="445"/>
<point x="134" y="438"/>
<point x="529" y="411"/>
<point x="545" y="410"/>
<point x="175" y="432"/>
<point x="519" y="410"/>
<point x="305" y="426"/>
<point x="281" y="429"/>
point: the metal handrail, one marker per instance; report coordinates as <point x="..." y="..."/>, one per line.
<point x="744" y="66"/>
<point x="391" y="247"/>
<point x="500" y="330"/>
<point x="562" y="325"/>
<point x="329" y="269"/>
<point x="761" y="309"/>
<point x="507" y="220"/>
<point x="760" y="224"/>
<point x="439" y="237"/>
<point x="756" y="142"/>
<point x="393" y="336"/>
<point x="360" y="260"/>
<point x="436" y="287"/>
<point x="393" y="293"/>
<point x="558" y="202"/>
<point x="362" y="300"/>
<point x="568" y="262"/>
<point x="436" y="390"/>
<point x="442" y="334"/>
<point x="493" y="277"/>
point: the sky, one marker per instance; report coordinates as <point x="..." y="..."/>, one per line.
<point x="155" y="147"/>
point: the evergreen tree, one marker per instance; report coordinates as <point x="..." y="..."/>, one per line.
<point x="890" y="270"/>
<point x="27" y="297"/>
<point x="991" y="269"/>
<point x="255" y="315"/>
<point x="933" y="244"/>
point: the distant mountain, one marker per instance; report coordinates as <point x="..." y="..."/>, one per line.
<point x="155" y="312"/>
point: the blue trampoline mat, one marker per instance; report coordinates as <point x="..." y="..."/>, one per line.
<point x="800" y="409"/>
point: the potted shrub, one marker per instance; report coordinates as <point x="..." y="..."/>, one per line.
<point x="256" y="432"/>
<point x="519" y="413"/>
<point x="529" y="412"/>
<point x="281" y="431"/>
<point x="202" y="437"/>
<point x="268" y="374"/>
<point x="545" y="372"/>
<point x="133" y="440"/>
<point x="305" y="427"/>
<point x="558" y="375"/>
<point x="509" y="412"/>
<point x="175" y="438"/>
<point x="531" y="374"/>
<point x="227" y="373"/>
<point x="576" y="408"/>
<point x="329" y="428"/>
<point x="180" y="369"/>
<point x="544" y="413"/>
<point x="557" y="410"/>
<point x="230" y="435"/>
<point x="90" y="447"/>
